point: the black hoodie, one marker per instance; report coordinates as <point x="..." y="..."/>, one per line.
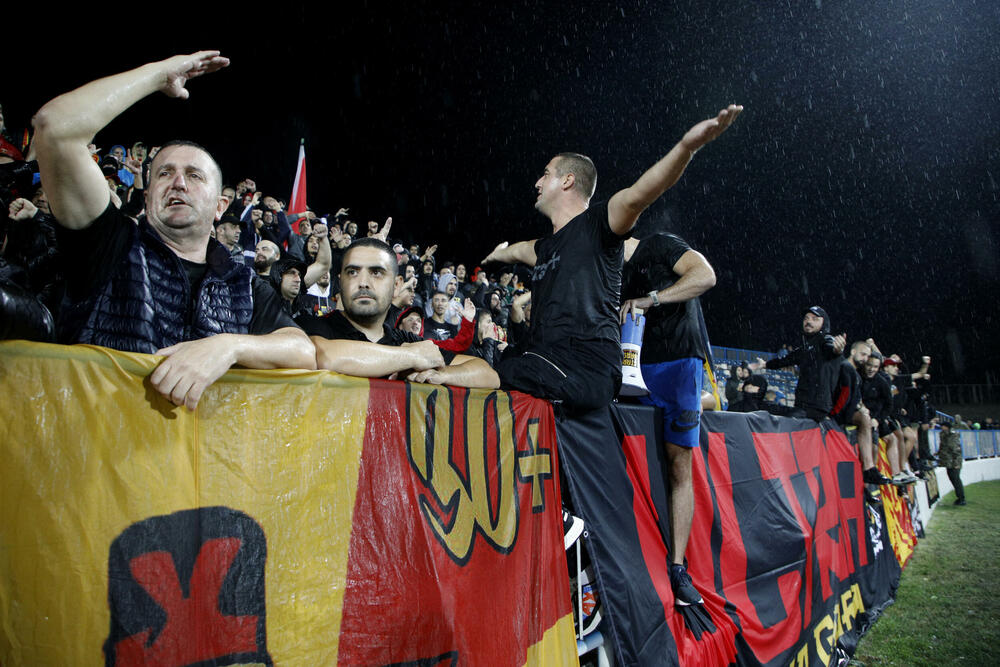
<point x="819" y="366"/>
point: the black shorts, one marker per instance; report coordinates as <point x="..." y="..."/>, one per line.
<point x="583" y="375"/>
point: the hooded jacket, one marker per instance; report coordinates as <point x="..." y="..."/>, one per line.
<point x="819" y="366"/>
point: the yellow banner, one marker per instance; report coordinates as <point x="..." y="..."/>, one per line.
<point x="229" y="528"/>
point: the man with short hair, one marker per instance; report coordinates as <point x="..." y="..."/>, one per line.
<point x="227" y="232"/>
<point x="359" y="341"/>
<point x="435" y="326"/>
<point x="573" y="351"/>
<point x="160" y="287"/>
<point x="848" y="409"/>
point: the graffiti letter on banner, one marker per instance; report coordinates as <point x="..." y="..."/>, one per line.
<point x="466" y="504"/>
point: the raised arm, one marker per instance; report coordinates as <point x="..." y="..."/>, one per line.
<point x="523" y="252"/>
<point x="324" y="256"/>
<point x="625" y="206"/>
<point x="64" y="126"/>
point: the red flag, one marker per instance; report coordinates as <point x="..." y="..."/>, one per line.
<point x="298" y="201"/>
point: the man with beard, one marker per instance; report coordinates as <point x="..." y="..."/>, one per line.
<point x="848" y="410"/>
<point x="818" y="359"/>
<point x="267" y="254"/>
<point x="162" y="286"/>
<point x="358" y="341"/>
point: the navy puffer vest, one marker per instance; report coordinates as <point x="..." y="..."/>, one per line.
<point x="145" y="307"/>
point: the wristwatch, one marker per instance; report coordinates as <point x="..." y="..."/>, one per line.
<point x="655" y="296"/>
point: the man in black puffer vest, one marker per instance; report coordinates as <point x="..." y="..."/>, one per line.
<point x="818" y="359"/>
<point x="162" y="286"/>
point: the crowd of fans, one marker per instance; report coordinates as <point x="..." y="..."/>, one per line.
<point x="298" y="254"/>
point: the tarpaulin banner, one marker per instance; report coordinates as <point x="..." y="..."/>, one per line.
<point x="899" y="522"/>
<point x="793" y="564"/>
<point x="295" y="518"/>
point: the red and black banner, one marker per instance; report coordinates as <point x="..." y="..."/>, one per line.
<point x="793" y="564"/>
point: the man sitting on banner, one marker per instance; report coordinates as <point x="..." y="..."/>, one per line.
<point x="573" y="351"/>
<point x="670" y="276"/>
<point x="358" y="340"/>
<point x="162" y="286"/>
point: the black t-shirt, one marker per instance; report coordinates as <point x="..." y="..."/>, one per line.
<point x="96" y="252"/>
<point x="673" y="330"/>
<point x="337" y="327"/>
<point x="576" y="282"/>
<point x="439" y="330"/>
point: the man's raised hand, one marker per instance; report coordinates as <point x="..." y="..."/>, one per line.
<point x="708" y="130"/>
<point x="492" y="256"/>
<point x="21" y="209"/>
<point x="179" y="70"/>
<point x="383" y="233"/>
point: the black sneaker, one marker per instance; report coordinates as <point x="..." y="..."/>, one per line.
<point x="572" y="528"/>
<point x="684" y="591"/>
<point x="960" y="502"/>
<point x="873" y="476"/>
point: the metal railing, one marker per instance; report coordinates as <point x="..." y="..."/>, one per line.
<point x="975" y="444"/>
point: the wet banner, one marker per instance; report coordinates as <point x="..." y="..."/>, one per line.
<point x="793" y="564"/>
<point x="296" y="518"/>
<point x="899" y="507"/>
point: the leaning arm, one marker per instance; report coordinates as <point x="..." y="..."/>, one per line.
<point x="625" y="206"/>
<point x="192" y="366"/>
<point x="464" y="371"/>
<point x="364" y="359"/>
<point x="74" y="183"/>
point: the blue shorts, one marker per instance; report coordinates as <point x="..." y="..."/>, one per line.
<point x="675" y="386"/>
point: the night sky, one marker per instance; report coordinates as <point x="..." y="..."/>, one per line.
<point x="862" y="176"/>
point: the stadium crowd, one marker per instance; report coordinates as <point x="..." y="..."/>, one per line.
<point x="212" y="273"/>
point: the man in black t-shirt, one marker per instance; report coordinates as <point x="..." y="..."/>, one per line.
<point x="435" y="326"/>
<point x="667" y="276"/>
<point x="358" y="341"/>
<point x="573" y="349"/>
<point x="162" y="286"/>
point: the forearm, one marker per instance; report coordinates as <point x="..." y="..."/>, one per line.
<point x="80" y="114"/>
<point x="361" y="358"/>
<point x="658" y="179"/>
<point x="472" y="372"/>
<point x="523" y="252"/>
<point x="324" y="259"/>
<point x="692" y="284"/>
<point x="285" y="348"/>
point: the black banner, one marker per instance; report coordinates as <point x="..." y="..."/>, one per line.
<point x="792" y="563"/>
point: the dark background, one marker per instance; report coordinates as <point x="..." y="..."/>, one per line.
<point x="861" y="177"/>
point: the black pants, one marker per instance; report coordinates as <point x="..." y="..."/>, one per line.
<point x="582" y="376"/>
<point x="955" y="475"/>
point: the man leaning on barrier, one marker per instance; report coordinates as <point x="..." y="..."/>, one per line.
<point x="162" y="286"/>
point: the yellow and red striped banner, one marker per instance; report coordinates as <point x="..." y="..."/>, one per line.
<point x="295" y="518"/>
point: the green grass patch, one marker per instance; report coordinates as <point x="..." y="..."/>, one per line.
<point x="947" y="609"/>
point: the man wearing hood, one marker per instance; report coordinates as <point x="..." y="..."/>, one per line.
<point x="447" y="284"/>
<point x="818" y="359"/>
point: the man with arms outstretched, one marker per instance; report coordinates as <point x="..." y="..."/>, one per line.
<point x="573" y="350"/>
<point x="358" y="340"/>
<point x="162" y="286"/>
